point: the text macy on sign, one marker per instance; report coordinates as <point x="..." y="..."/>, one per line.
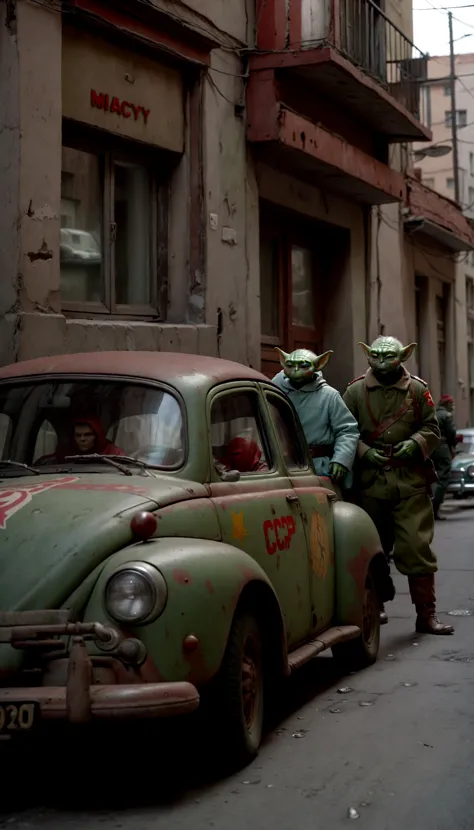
<point x="110" y="103"/>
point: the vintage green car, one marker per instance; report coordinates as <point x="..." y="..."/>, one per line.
<point x="165" y="545"/>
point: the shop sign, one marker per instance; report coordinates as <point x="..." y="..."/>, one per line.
<point x="112" y="104"/>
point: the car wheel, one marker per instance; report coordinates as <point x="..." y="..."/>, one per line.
<point x="360" y="653"/>
<point x="240" y="691"/>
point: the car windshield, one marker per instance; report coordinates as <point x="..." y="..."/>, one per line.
<point x="51" y="423"/>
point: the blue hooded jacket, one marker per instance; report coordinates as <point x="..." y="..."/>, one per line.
<point x="325" y="420"/>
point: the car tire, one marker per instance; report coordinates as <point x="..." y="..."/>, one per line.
<point x="360" y="653"/>
<point x="239" y="692"/>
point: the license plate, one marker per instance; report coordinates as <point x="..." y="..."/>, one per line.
<point x="17" y="718"/>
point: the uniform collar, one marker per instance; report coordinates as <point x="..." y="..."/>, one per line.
<point x="371" y="381"/>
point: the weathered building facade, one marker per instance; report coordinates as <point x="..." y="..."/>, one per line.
<point x="215" y="177"/>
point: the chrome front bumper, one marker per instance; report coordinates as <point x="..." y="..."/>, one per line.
<point x="78" y="699"/>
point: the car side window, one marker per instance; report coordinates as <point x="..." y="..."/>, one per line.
<point x="237" y="437"/>
<point x="287" y="431"/>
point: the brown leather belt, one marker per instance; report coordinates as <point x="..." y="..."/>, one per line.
<point x="321" y="450"/>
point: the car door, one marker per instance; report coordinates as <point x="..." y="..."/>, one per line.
<point x="315" y="504"/>
<point x="258" y="513"/>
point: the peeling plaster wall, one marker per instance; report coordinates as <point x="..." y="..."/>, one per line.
<point x="231" y="210"/>
<point x="9" y="185"/>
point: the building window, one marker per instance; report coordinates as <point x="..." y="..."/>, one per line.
<point x="470" y="198"/>
<point x="471" y="164"/>
<point x="461" y="118"/>
<point x="447" y="90"/>
<point x="450" y="183"/>
<point x="429" y="183"/>
<point x="113" y="234"/>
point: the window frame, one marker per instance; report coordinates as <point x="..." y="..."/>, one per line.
<point x="261" y="419"/>
<point x="110" y="150"/>
<point x="298" y="436"/>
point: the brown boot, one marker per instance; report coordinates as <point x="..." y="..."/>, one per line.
<point x="422" y="591"/>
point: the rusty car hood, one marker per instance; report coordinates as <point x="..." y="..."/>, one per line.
<point x="56" y="529"/>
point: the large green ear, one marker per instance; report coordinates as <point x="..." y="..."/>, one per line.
<point x="283" y="355"/>
<point x="407" y="352"/>
<point x="321" y="361"/>
<point x="365" y="347"/>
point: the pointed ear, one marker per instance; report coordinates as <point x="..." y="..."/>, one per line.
<point x="365" y="347"/>
<point x="321" y="361"/>
<point x="283" y="355"/>
<point x="407" y="352"/>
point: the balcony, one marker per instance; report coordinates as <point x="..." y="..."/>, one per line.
<point x="351" y="53"/>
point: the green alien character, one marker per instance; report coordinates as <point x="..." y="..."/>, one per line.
<point x="330" y="429"/>
<point x="393" y="472"/>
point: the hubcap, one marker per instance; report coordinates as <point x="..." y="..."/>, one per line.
<point x="250" y="681"/>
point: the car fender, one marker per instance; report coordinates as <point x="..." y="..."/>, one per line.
<point x="356" y="545"/>
<point x="206" y="582"/>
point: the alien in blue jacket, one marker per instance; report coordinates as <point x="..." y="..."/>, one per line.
<point x="330" y="429"/>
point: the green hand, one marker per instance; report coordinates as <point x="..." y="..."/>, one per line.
<point x="337" y="471"/>
<point x="405" y="449"/>
<point x="375" y="458"/>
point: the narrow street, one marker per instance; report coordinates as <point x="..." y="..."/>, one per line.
<point x="397" y="746"/>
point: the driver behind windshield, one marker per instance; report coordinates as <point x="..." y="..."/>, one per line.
<point x="88" y="437"/>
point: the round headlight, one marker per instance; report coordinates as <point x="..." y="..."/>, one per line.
<point x="470" y="471"/>
<point x="136" y="594"/>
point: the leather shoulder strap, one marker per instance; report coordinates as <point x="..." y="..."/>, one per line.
<point x="381" y="427"/>
<point x="355" y="380"/>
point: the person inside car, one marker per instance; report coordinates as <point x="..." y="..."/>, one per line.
<point x="88" y="437"/>
<point x="243" y="455"/>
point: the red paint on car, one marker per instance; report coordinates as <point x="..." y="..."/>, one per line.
<point x="181" y="577"/>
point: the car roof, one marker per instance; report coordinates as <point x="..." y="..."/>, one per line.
<point x="176" y="369"/>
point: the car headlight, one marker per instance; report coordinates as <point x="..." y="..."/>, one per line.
<point x="470" y="471"/>
<point x="136" y="594"/>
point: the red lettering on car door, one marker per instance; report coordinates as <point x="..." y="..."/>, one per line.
<point x="267" y="528"/>
<point x="279" y="533"/>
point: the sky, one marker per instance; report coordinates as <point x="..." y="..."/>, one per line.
<point x="431" y="32"/>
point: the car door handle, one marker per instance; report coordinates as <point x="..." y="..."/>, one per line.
<point x="292" y="499"/>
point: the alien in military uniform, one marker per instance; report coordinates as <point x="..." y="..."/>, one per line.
<point x="393" y="472"/>
<point x="330" y="429"/>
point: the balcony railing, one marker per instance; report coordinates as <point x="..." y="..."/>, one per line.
<point x="377" y="46"/>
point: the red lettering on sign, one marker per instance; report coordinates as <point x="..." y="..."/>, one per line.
<point x="97" y="100"/>
<point x="115" y="105"/>
<point x="278" y="533"/>
<point x="102" y="101"/>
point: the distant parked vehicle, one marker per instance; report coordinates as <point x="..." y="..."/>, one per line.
<point x="461" y="481"/>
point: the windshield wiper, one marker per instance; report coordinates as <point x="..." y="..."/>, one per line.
<point x="110" y="460"/>
<point x="7" y="463"/>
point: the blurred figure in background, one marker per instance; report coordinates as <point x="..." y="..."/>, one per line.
<point x="444" y="453"/>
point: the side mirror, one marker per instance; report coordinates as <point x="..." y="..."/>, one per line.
<point x="230" y="475"/>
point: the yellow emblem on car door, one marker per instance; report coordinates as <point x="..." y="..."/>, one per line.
<point x="319" y="545"/>
<point x="238" y="526"/>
